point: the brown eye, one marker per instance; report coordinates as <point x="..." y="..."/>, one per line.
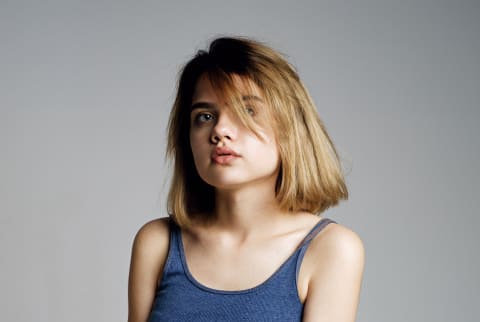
<point x="250" y="110"/>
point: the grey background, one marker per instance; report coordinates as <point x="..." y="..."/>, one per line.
<point x="85" y="91"/>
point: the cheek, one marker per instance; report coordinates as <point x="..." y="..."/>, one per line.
<point x="269" y="142"/>
<point x="195" y="147"/>
<point x="266" y="150"/>
<point x="196" y="138"/>
<point x="200" y="151"/>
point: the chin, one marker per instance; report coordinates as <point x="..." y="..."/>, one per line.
<point x="232" y="182"/>
<point x="224" y="183"/>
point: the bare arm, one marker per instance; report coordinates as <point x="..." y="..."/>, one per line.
<point x="336" y="265"/>
<point x="149" y="252"/>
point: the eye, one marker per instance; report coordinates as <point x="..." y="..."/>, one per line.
<point x="203" y="117"/>
<point x="250" y="110"/>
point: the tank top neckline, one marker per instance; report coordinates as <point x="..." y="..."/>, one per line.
<point x="305" y="241"/>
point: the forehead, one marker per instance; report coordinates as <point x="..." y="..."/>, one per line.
<point x="205" y="89"/>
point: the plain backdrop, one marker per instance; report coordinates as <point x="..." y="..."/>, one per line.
<point x="86" y="88"/>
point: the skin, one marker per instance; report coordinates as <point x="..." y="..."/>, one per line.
<point x="249" y="226"/>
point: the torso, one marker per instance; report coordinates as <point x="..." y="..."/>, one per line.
<point x="217" y="262"/>
<point x="257" y="292"/>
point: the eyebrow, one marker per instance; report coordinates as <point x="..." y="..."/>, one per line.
<point x="203" y="105"/>
<point x="213" y="106"/>
<point x="251" y="97"/>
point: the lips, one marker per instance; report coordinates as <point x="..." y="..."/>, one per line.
<point x="224" y="155"/>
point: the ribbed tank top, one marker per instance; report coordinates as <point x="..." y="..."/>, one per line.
<point x="180" y="297"/>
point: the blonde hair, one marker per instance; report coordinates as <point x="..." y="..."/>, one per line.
<point x="310" y="177"/>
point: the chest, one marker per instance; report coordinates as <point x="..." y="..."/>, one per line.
<point x="225" y="267"/>
<point x="236" y="293"/>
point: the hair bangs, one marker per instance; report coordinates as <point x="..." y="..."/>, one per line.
<point x="241" y="96"/>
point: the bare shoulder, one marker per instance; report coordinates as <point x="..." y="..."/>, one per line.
<point x="150" y="246"/>
<point x="149" y="253"/>
<point x="153" y="236"/>
<point x="340" y="242"/>
<point x="336" y="246"/>
<point x="335" y="263"/>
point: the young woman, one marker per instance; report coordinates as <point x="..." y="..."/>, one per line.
<point x="253" y="169"/>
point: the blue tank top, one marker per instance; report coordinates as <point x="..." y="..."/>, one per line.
<point x="179" y="297"/>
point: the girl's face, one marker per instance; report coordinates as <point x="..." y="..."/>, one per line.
<point x="226" y="153"/>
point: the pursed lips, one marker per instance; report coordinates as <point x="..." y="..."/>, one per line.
<point x="223" y="155"/>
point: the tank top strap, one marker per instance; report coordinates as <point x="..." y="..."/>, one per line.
<point x="173" y="260"/>
<point x="174" y="236"/>
<point x="302" y="248"/>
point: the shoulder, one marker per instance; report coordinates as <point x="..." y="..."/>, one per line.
<point x="337" y="245"/>
<point x="153" y="236"/>
<point x="149" y="252"/>
<point x="339" y="241"/>
<point x="150" y="247"/>
<point x="335" y="263"/>
<point x="154" y="227"/>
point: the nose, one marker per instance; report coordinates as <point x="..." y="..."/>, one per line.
<point x="224" y="129"/>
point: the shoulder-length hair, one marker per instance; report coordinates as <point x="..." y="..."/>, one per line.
<point x="310" y="177"/>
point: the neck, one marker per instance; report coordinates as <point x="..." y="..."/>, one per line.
<point x="246" y="210"/>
